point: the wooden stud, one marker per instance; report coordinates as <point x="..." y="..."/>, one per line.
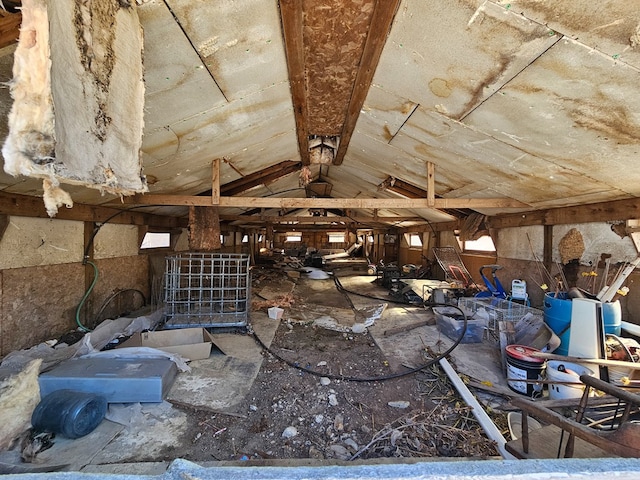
<point x="431" y="182"/>
<point x="215" y="181"/>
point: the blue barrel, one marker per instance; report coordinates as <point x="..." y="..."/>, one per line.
<point x="69" y="413"/>
<point x="557" y="315"/>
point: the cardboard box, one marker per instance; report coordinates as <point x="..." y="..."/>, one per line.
<point x="190" y="343"/>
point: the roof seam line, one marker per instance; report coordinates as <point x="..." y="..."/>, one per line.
<point x="195" y="50"/>
<point x="461" y="119"/>
<point x="403" y="123"/>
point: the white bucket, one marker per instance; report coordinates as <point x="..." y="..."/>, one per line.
<point x="572" y="372"/>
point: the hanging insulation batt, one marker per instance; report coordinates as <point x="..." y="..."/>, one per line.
<point x="78" y="93"/>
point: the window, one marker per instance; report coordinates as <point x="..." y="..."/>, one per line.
<point x="483" y="244"/>
<point x="414" y="240"/>
<point x="221" y="239"/>
<point x="294" y="237"/>
<point x="245" y="238"/>
<point x="336" y="237"/>
<point x="156" y="240"/>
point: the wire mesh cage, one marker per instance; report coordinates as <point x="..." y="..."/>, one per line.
<point x="496" y="309"/>
<point x="206" y="290"/>
<point x="496" y="312"/>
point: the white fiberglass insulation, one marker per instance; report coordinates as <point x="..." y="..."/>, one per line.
<point x="78" y="93"/>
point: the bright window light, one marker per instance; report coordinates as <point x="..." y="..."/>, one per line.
<point x="294" y="238"/>
<point x="483" y="244"/>
<point x="336" y="237"/>
<point x="156" y="240"/>
<point x="413" y="240"/>
<point x="245" y="238"/>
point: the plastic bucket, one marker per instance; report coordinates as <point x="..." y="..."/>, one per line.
<point x="571" y="373"/>
<point x="522" y="366"/>
<point x="69" y="413"/>
<point x="557" y="315"/>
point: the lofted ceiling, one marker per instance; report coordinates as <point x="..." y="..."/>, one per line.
<point x="436" y="109"/>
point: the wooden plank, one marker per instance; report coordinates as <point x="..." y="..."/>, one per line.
<point x="431" y="183"/>
<point x="581" y="431"/>
<point x="215" y="181"/>
<point x="319" y="220"/>
<point x="353" y="203"/>
<point x="261" y="177"/>
<point x="591" y="361"/>
<point x="9" y="28"/>
<point x="292" y="30"/>
<point x="595" y="212"/>
<point x="545" y="443"/>
<point x="31" y="206"/>
<point x="4" y="223"/>
<point x="382" y="18"/>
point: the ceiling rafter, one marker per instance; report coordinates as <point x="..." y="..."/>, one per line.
<point x="328" y="89"/>
<point x="405" y="189"/>
<point x="261" y="177"/>
<point x="383" y="15"/>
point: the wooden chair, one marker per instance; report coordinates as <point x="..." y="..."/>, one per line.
<point x="581" y="440"/>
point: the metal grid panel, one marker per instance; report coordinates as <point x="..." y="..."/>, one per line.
<point x="206" y="290"/>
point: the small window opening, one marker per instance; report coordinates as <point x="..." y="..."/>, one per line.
<point x="336" y="237"/>
<point x="156" y="240"/>
<point x="294" y="237"/>
<point x="414" y="240"/>
<point x="482" y="244"/>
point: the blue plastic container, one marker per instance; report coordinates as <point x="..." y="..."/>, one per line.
<point x="69" y="413"/>
<point x="557" y="315"/>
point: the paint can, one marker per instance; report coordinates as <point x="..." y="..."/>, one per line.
<point x="69" y="413"/>
<point x="558" y="371"/>
<point x="521" y="365"/>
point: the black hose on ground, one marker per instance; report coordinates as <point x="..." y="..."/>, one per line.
<point x="372" y="379"/>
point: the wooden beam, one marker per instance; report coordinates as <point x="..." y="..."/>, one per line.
<point x="381" y="20"/>
<point x="4" y="223"/>
<point x="626" y="209"/>
<point x="431" y="227"/>
<point x="312" y="219"/>
<point x="30" y="206"/>
<point x="292" y="30"/>
<point x="261" y="177"/>
<point x="431" y="183"/>
<point x="354" y="203"/>
<point x="9" y="28"/>
<point x="215" y="181"/>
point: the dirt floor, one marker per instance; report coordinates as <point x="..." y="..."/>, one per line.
<point x="313" y="412"/>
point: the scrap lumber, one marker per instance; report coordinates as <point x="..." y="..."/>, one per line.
<point x="487" y="425"/>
